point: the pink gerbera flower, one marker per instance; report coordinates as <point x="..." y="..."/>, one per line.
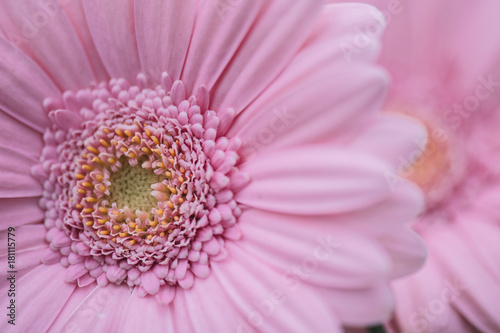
<point x="198" y="167"/>
<point x="444" y="57"/>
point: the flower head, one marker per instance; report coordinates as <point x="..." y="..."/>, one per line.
<point x="140" y="183"/>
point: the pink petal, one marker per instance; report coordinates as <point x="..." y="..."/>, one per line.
<point x="30" y="246"/>
<point x="487" y="199"/>
<point x="27" y="237"/>
<point x="314" y="181"/>
<point x="205" y="308"/>
<point x="73" y="272"/>
<point x="166" y="294"/>
<point x="92" y="309"/>
<point x="415" y="51"/>
<point x="66" y="119"/>
<point x="24" y="86"/>
<point x="362" y="307"/>
<point x="163" y="31"/>
<point x="339" y="258"/>
<point x="118" y="46"/>
<point x="188" y="281"/>
<point x="43" y="31"/>
<point x="267" y="49"/>
<point x="315" y="108"/>
<point x="181" y="313"/>
<point x="211" y="247"/>
<point x="220" y="29"/>
<point x="76" y="299"/>
<point x="347" y="20"/>
<point x="181" y="269"/>
<point x="378" y="139"/>
<point x="407" y="250"/>
<point x="140" y="315"/>
<point x="15" y="175"/>
<point x="38" y="292"/>
<point x="19" y="211"/>
<point x="401" y="207"/>
<point x="416" y="293"/>
<point x="268" y="300"/>
<point x="338" y="26"/>
<point x="116" y="274"/>
<point x="76" y="14"/>
<point x="200" y="270"/>
<point x="480" y="293"/>
<point x="476" y="235"/>
<point x="18" y="136"/>
<point x="419" y="56"/>
<point x="150" y="282"/>
<point x="475" y="56"/>
<point x="320" y="51"/>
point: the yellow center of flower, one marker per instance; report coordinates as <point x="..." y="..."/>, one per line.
<point x="131" y="187"/>
<point x="435" y="165"/>
<point x="140" y="183"/>
<point x="433" y="162"/>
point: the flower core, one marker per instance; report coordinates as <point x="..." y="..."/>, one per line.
<point x="139" y="184"/>
<point x="131" y="187"/>
<point x="439" y="167"/>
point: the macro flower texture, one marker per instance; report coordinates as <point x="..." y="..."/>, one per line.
<point x="198" y="166"/>
<point x="446" y="76"/>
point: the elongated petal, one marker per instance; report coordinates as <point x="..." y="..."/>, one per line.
<point x="24" y="86"/>
<point x="322" y="107"/>
<point x="155" y="319"/>
<point x="267" y="49"/>
<point x="36" y="290"/>
<point x="331" y="181"/>
<point x="92" y="309"/>
<point x="44" y="32"/>
<point x="331" y="255"/>
<point x="15" y="175"/>
<point x="269" y="300"/>
<point x="378" y="138"/>
<point x="19" y="211"/>
<point x="407" y="251"/>
<point x="18" y="136"/>
<point x="164" y="30"/>
<point x="220" y="29"/>
<point x="75" y="12"/>
<point x="118" y="45"/>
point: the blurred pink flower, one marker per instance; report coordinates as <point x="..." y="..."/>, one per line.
<point x="204" y="167"/>
<point x="444" y="57"/>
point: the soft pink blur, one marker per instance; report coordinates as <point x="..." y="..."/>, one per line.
<point x="444" y="58"/>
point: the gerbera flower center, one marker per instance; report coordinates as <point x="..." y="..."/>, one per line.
<point x="139" y="184"/>
<point x="439" y="167"/>
<point x="432" y="163"/>
<point x="131" y="187"/>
